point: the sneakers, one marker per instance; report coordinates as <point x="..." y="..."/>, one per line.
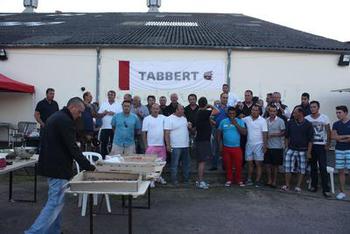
<point x="228" y="184"/>
<point x="258" y="184"/>
<point x="202" y="185"/>
<point x="341" y="196"/>
<point x="249" y="182"/>
<point x="327" y="194"/>
<point x="153" y="184"/>
<point x="241" y="184"/>
<point x="297" y="189"/>
<point x="161" y="180"/>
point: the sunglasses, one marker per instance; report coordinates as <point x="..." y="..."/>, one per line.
<point x="125" y="125"/>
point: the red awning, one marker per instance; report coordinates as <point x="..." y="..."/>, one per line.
<point x="9" y="85"/>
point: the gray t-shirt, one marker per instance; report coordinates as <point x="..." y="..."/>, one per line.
<point x="275" y="126"/>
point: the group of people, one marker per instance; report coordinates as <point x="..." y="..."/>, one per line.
<point x="239" y="132"/>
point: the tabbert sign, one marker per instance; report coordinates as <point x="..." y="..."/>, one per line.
<point x="189" y="75"/>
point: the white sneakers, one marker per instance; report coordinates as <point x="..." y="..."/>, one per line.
<point x="202" y="185"/>
<point x="341" y="196"/>
<point x="161" y="180"/>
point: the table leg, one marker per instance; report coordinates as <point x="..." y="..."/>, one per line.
<point x="149" y="197"/>
<point x="130" y="213"/>
<point x="91" y="213"/>
<point x="35" y="181"/>
<point x="123" y="201"/>
<point x="10" y="185"/>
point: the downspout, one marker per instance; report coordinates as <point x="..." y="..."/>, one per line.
<point x="98" y="68"/>
<point x="228" y="69"/>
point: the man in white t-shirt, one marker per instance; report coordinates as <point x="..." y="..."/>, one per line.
<point x="106" y="111"/>
<point x="320" y="145"/>
<point x="177" y="142"/>
<point x="232" y="97"/>
<point x="256" y="144"/>
<point x="153" y="135"/>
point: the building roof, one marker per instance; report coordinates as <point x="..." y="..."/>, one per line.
<point x="156" y="30"/>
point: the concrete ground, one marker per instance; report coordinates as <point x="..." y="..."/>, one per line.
<point x="189" y="210"/>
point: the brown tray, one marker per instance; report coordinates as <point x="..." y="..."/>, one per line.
<point x="87" y="181"/>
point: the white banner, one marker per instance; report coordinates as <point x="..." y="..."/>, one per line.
<point x="190" y="75"/>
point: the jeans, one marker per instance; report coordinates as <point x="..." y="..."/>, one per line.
<point x="319" y="155"/>
<point x="49" y="220"/>
<point x="215" y="149"/>
<point x="178" y="154"/>
<point x="106" y="137"/>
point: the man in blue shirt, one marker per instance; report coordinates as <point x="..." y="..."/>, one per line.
<point x="230" y="130"/>
<point x="125" y="125"/>
<point x="222" y="108"/>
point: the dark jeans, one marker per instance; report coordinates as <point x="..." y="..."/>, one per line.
<point x="106" y="137"/>
<point x="319" y="155"/>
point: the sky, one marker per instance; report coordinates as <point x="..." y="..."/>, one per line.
<point x="328" y="18"/>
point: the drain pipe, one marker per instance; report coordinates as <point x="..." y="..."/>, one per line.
<point x="98" y="73"/>
<point x="228" y="69"/>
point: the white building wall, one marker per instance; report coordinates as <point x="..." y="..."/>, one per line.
<point x="292" y="74"/>
<point x="67" y="70"/>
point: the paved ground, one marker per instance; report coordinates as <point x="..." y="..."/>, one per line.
<point x="189" y="210"/>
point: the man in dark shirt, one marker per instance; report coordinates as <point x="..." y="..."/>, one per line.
<point x="151" y="99"/>
<point x="46" y="107"/>
<point x="171" y="108"/>
<point x="162" y="104"/>
<point x="192" y="109"/>
<point x="58" y="150"/>
<point x="86" y="122"/>
<point x="341" y="133"/>
<point x="202" y="126"/>
<point x="245" y="108"/>
<point x="305" y="103"/>
<point x="299" y="138"/>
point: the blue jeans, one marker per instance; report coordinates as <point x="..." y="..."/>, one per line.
<point x="178" y="154"/>
<point x="49" y="220"/>
<point x="215" y="149"/>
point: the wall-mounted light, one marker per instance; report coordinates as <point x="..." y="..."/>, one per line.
<point x="3" y="55"/>
<point x="344" y="60"/>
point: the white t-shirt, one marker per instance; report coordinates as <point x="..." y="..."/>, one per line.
<point x="255" y="129"/>
<point x="107" y="120"/>
<point x="179" y="137"/>
<point x="320" y="131"/>
<point x="232" y="99"/>
<point x="155" y="130"/>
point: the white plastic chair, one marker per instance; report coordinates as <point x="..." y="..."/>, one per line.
<point x="330" y="171"/>
<point x="82" y="201"/>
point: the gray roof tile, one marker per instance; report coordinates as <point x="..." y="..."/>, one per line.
<point x="177" y="30"/>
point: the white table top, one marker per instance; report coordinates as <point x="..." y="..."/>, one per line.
<point x="142" y="190"/>
<point x="18" y="164"/>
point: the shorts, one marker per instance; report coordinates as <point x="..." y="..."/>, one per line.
<point x="160" y="151"/>
<point x="203" y="150"/>
<point x="254" y="152"/>
<point x="122" y="150"/>
<point x="274" y="157"/>
<point x="342" y="159"/>
<point x="295" y="161"/>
